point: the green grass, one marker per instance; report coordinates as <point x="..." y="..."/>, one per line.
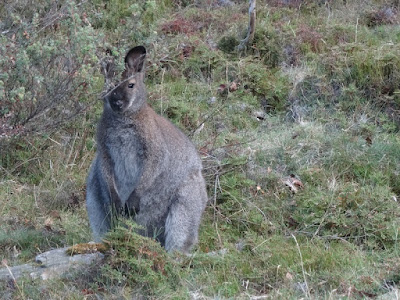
<point x="317" y="98"/>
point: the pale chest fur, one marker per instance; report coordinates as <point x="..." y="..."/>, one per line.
<point x="126" y="153"/>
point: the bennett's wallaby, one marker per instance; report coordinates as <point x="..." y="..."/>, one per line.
<point x="144" y="165"/>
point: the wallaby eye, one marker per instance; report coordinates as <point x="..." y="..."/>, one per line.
<point x="131" y="85"/>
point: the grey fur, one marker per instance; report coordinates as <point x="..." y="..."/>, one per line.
<point x="144" y="165"/>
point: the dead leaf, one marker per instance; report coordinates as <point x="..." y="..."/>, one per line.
<point x="233" y="86"/>
<point x="289" y="276"/>
<point x="55" y="214"/>
<point x="87" y="292"/>
<point x="293" y="183"/>
<point x="16" y="252"/>
<point x="221" y="89"/>
<point x="292" y="223"/>
<point x="48" y="223"/>
<point x="298" y="183"/>
<point x="259" y="189"/>
<point x="199" y="129"/>
<point x="368" y="139"/>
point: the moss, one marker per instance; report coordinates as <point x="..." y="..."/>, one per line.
<point x="87" y="248"/>
<point x="139" y="262"/>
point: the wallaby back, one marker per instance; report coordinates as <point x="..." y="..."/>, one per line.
<point x="144" y="165"/>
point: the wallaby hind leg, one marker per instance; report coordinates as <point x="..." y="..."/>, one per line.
<point x="183" y="220"/>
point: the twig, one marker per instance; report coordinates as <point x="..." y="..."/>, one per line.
<point x="252" y="27"/>
<point x="216" y="184"/>
<point x="162" y="92"/>
<point x="355" y="40"/>
<point x="4" y="263"/>
<point x="219" y="236"/>
<point x="307" y="291"/>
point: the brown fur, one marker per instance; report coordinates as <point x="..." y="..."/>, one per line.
<point x="144" y="165"/>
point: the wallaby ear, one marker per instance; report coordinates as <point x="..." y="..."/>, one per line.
<point x="134" y="60"/>
<point x="107" y="67"/>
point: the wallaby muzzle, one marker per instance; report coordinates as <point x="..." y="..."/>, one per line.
<point x="117" y="99"/>
<point x="116" y="105"/>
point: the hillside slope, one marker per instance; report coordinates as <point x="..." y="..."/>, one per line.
<point x="299" y="137"/>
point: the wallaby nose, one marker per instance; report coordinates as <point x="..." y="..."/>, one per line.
<point x="116" y="104"/>
<point x="119" y="103"/>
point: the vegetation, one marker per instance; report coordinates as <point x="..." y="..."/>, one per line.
<point x="299" y="138"/>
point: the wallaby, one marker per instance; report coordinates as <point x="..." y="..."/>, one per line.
<point x="144" y="165"/>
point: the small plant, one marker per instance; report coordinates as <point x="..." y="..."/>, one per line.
<point x="139" y="262"/>
<point x="228" y="44"/>
<point x="382" y="16"/>
<point x="269" y="46"/>
<point x="267" y="84"/>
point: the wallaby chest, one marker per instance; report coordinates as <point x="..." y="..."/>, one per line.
<point x="126" y="153"/>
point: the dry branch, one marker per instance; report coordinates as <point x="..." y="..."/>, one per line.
<point x="252" y="27"/>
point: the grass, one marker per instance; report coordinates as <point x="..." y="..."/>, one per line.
<point x="315" y="98"/>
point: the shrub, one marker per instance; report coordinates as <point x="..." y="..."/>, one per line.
<point x="47" y="59"/>
<point x="382" y="16"/>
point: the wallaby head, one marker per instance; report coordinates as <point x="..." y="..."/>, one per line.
<point x="130" y="94"/>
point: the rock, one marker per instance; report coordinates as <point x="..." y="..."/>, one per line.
<point x="212" y="100"/>
<point x="51" y="264"/>
<point x="220" y="252"/>
<point x="15" y="272"/>
<point x="260" y="115"/>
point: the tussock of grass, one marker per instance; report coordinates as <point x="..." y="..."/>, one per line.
<point x="139" y="262"/>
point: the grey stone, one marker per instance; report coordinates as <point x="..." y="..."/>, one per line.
<point x="51" y="264"/>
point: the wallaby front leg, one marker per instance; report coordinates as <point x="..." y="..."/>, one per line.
<point x="98" y="203"/>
